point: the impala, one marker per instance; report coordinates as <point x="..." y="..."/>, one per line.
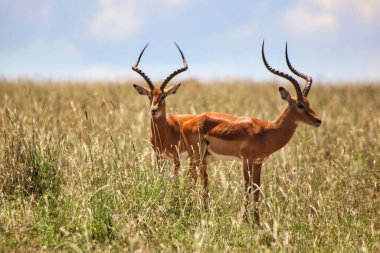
<point x="165" y="134"/>
<point x="249" y="139"/>
<point x="165" y="128"/>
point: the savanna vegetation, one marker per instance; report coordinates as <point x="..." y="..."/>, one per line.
<point x="77" y="172"/>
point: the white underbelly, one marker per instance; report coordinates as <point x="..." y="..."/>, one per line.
<point x="222" y="157"/>
<point x="260" y="160"/>
<point x="184" y="155"/>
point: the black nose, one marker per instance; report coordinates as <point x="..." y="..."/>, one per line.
<point x="154" y="111"/>
<point x="319" y="122"/>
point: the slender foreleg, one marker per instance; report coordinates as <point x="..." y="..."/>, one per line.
<point x="247" y="172"/>
<point x="256" y="190"/>
<point x="177" y="165"/>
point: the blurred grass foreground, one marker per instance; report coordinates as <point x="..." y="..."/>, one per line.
<point x="77" y="172"/>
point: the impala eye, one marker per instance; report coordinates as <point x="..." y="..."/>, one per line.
<point x="301" y="106"/>
<point x="162" y="97"/>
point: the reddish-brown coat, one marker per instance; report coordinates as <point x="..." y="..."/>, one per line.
<point x="248" y="139"/>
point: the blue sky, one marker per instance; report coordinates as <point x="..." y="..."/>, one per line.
<point x="332" y="40"/>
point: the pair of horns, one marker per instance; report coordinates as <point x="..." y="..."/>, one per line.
<point x="167" y="80"/>
<point x="296" y="85"/>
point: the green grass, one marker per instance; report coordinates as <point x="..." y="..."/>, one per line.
<point x="77" y="173"/>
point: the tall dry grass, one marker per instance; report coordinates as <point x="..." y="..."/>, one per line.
<point x="77" y="173"/>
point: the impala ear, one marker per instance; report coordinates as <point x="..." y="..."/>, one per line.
<point x="285" y="95"/>
<point x="172" y="90"/>
<point x="141" y="90"/>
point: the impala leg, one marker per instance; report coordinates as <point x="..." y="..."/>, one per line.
<point x="195" y="154"/>
<point x="247" y="169"/>
<point x="199" y="162"/>
<point x="204" y="176"/>
<point x="160" y="162"/>
<point x="193" y="170"/>
<point x="203" y="168"/>
<point x="177" y="165"/>
<point x="256" y="190"/>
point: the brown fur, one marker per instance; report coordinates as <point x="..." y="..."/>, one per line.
<point x="249" y="139"/>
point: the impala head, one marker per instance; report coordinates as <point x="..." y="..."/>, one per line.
<point x="298" y="105"/>
<point x="157" y="95"/>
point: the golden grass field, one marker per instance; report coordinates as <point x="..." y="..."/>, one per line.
<point x="77" y="172"/>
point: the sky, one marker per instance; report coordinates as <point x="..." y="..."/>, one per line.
<point x="331" y="40"/>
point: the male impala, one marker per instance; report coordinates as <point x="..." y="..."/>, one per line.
<point x="165" y="128"/>
<point x="165" y="134"/>
<point x="249" y="139"/>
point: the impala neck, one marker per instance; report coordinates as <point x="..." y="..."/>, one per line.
<point x="159" y="125"/>
<point x="283" y="128"/>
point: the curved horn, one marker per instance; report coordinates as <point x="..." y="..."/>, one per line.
<point x="307" y="78"/>
<point x="135" y="68"/>
<point x="279" y="73"/>
<point x="184" y="68"/>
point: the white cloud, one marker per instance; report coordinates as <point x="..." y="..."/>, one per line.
<point x="306" y="18"/>
<point x="120" y="19"/>
<point x="366" y="9"/>
<point x="116" y="19"/>
<point x="330" y="15"/>
<point x="370" y="9"/>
